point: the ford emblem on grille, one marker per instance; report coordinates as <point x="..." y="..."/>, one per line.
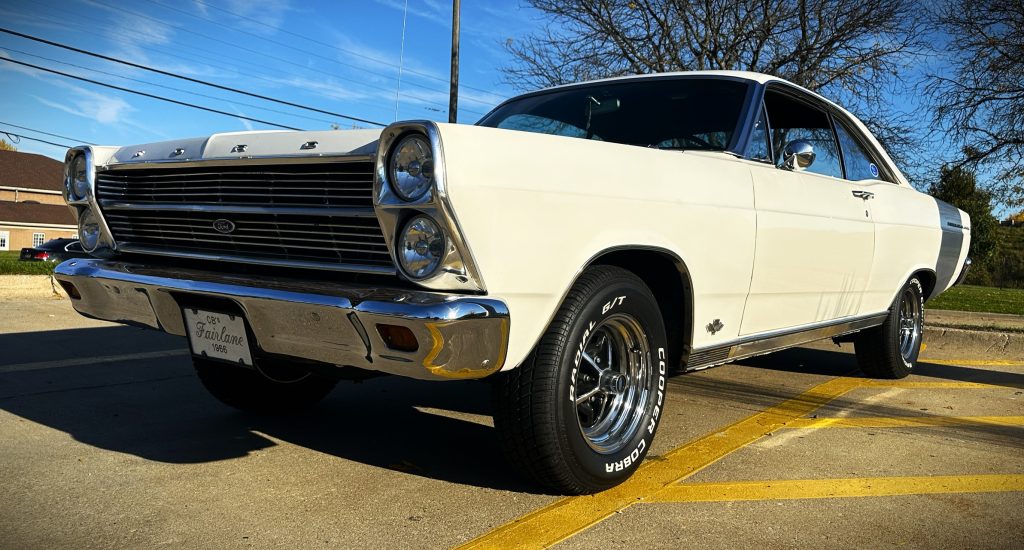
<point x="224" y="226"/>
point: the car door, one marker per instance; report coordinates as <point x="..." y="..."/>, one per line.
<point x="815" y="236"/>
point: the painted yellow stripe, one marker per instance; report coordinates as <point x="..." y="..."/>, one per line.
<point x="905" y="422"/>
<point x="907" y="384"/>
<point x="566" y="517"/>
<point x="974" y="362"/>
<point x="838" y="488"/>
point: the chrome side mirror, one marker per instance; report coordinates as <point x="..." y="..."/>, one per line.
<point x="798" y="155"/>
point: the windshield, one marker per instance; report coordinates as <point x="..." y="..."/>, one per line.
<point x="666" y="113"/>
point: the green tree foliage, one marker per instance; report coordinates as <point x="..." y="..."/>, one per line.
<point x="958" y="186"/>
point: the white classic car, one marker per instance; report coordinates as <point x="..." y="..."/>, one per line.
<point x="575" y="246"/>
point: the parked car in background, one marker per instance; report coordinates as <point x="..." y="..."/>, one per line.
<point x="575" y="246"/>
<point x="56" y="250"/>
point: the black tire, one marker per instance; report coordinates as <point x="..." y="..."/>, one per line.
<point x="539" y="424"/>
<point x="891" y="350"/>
<point x="271" y="389"/>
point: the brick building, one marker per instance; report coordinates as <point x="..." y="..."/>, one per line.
<point x="32" y="210"/>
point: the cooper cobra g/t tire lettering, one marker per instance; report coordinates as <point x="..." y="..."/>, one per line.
<point x="267" y="389"/>
<point x="580" y="414"/>
<point x="891" y="350"/>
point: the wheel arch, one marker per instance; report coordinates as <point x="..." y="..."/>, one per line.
<point x="665" y="273"/>
<point x="928" y="280"/>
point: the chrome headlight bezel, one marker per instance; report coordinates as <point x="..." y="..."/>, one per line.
<point x="457" y="270"/>
<point x="83" y="200"/>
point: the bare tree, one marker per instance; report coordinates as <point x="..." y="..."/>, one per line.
<point x="851" y="50"/>
<point x="982" y="101"/>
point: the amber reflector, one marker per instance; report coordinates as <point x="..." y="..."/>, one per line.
<point x="71" y="290"/>
<point x="398" y="338"/>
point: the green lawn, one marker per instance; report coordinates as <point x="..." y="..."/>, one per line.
<point x="981" y="299"/>
<point x="10" y="265"/>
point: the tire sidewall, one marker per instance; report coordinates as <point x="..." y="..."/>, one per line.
<point x="914" y="285"/>
<point x="618" y="297"/>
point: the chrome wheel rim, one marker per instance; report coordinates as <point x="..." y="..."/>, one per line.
<point x="909" y="324"/>
<point x="612" y="383"/>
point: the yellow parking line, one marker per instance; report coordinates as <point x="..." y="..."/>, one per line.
<point x="566" y="517"/>
<point x="974" y="362"/>
<point x="905" y="422"/>
<point x="838" y="488"/>
<point x="909" y="384"/>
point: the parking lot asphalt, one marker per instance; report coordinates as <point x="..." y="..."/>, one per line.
<point x="108" y="440"/>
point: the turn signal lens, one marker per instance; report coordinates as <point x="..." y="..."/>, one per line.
<point x="398" y="338"/>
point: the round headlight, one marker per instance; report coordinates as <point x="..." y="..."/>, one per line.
<point x="421" y="247"/>
<point x="88" y="229"/>
<point x="79" y="178"/>
<point x="411" y="170"/>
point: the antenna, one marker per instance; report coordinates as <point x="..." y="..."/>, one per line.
<point x="401" y="60"/>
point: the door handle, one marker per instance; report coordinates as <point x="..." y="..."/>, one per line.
<point x="863" y="194"/>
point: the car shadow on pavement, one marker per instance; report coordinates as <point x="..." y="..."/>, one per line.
<point x="156" y="409"/>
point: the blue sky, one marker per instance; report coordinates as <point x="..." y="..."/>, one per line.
<point x="341" y="56"/>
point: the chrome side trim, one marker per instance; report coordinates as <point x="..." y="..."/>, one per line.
<point x="459" y="336"/>
<point x="760" y="344"/>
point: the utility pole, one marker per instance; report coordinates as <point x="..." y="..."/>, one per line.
<point x="453" y="94"/>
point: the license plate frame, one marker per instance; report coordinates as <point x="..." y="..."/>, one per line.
<point x="218" y="335"/>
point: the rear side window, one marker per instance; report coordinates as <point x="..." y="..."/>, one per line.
<point x="859" y="164"/>
<point x="792" y="120"/>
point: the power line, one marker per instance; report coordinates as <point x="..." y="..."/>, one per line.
<point x="172" y="88"/>
<point x="151" y="96"/>
<point x="348" y="51"/>
<point x="12" y="135"/>
<point x="314" y="54"/>
<point x="186" y="78"/>
<point x="82" y="141"/>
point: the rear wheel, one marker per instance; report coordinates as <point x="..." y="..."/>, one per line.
<point x="891" y="350"/>
<point x="268" y="388"/>
<point x="580" y="414"/>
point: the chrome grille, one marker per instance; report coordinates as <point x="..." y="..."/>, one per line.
<point x="316" y="213"/>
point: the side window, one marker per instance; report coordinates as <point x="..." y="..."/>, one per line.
<point x="792" y="119"/>
<point x="759" y="145"/>
<point x="859" y="164"/>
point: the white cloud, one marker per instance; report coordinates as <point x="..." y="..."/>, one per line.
<point x="269" y="14"/>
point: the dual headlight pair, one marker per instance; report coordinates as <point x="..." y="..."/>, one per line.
<point x="79" y="190"/>
<point x="421" y="244"/>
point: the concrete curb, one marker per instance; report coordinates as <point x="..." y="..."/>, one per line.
<point x="19" y="287"/>
<point x="956" y="342"/>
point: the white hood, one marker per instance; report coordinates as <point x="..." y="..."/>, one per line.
<point x="256" y="144"/>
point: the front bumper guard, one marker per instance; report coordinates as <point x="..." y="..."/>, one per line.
<point x="458" y="336"/>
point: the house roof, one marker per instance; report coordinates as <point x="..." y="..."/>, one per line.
<point x="28" y="212"/>
<point x="30" y="171"/>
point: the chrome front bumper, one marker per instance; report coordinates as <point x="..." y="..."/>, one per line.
<point x="458" y="336"/>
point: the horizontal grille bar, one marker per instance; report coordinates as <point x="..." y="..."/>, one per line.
<point x="316" y="215"/>
<point x="334" y="184"/>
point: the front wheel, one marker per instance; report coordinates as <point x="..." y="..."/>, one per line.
<point x="891" y="350"/>
<point x="580" y="414"/>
